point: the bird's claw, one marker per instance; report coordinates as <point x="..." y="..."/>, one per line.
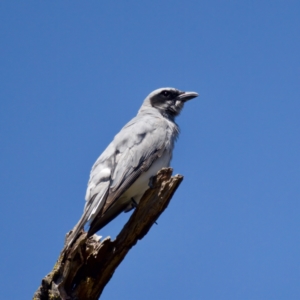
<point x="133" y="202"/>
<point x="151" y="182"/>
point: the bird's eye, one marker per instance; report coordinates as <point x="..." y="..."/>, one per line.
<point x="166" y="93"/>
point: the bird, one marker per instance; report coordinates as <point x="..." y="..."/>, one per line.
<point x="121" y="174"/>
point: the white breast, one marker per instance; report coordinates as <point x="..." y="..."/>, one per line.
<point x="139" y="187"/>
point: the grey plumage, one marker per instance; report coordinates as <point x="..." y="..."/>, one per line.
<point x="121" y="174"/>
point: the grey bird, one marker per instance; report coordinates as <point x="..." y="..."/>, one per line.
<point x="121" y="174"/>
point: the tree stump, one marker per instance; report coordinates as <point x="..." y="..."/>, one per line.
<point x="83" y="270"/>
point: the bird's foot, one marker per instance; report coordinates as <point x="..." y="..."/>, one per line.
<point x="133" y="203"/>
<point x="151" y="182"/>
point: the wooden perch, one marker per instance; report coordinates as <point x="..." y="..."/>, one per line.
<point x="82" y="271"/>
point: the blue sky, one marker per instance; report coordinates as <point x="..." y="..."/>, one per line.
<point x="73" y="73"/>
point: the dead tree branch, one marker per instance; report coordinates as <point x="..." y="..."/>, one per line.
<point x="82" y="272"/>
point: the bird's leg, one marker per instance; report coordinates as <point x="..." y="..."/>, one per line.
<point x="133" y="202"/>
<point x="151" y="182"/>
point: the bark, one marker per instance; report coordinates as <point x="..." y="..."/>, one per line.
<point x="82" y="271"/>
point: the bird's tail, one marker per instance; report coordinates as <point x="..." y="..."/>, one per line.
<point x="91" y="209"/>
<point x="75" y="231"/>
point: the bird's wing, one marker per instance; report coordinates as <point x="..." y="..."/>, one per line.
<point x="132" y="152"/>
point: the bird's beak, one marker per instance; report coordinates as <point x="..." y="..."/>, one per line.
<point x="185" y="96"/>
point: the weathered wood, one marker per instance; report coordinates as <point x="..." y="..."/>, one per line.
<point x="83" y="270"/>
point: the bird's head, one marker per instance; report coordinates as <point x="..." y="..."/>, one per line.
<point x="169" y="101"/>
